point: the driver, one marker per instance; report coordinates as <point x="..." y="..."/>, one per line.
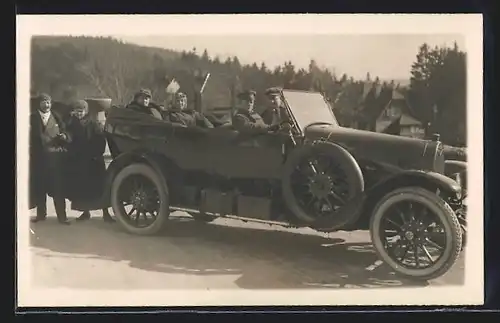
<point x="246" y="119"/>
<point x="275" y="114"/>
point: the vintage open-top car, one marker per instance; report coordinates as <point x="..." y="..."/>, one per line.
<point x="316" y="174"/>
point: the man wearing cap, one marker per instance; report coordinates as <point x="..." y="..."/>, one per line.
<point x="48" y="148"/>
<point x="277" y="112"/>
<point x="180" y="113"/>
<point x="246" y="119"/>
<point x="141" y="103"/>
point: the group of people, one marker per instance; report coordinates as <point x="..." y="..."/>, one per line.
<point x="245" y="118"/>
<point x="66" y="161"/>
<point x="66" y="155"/>
<point x="177" y="113"/>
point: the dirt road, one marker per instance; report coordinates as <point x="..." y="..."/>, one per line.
<point x="224" y="254"/>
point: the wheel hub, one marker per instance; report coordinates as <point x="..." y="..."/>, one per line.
<point x="138" y="199"/>
<point x="413" y="232"/>
<point x="321" y="185"/>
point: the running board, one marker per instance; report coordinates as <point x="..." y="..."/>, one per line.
<point x="240" y="218"/>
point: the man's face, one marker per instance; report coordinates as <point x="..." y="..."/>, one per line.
<point x="45" y="105"/>
<point x="143" y="100"/>
<point x="181" y="102"/>
<point x="276" y="101"/>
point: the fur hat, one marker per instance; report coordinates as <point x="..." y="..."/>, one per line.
<point x="80" y="105"/>
<point x="44" y="97"/>
<point x="145" y="92"/>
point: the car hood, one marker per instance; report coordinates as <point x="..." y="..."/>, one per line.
<point x="390" y="150"/>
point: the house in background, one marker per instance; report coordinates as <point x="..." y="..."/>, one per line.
<point x="411" y="127"/>
<point x="397" y="110"/>
<point x="385" y="109"/>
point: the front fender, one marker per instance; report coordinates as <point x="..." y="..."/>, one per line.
<point x="430" y="180"/>
<point x="454" y="166"/>
<point x="156" y="161"/>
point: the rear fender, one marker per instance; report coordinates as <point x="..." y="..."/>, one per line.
<point x="159" y="163"/>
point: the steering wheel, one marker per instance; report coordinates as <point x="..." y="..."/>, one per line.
<point x="319" y="123"/>
<point x="280" y="126"/>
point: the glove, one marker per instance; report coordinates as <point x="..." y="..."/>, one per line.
<point x="286" y="126"/>
<point x="63" y="136"/>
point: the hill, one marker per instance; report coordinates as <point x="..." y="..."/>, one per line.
<point x="103" y="66"/>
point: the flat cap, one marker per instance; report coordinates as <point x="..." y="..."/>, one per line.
<point x="273" y="91"/>
<point x="245" y="95"/>
<point x="145" y="92"/>
<point x="44" y="97"/>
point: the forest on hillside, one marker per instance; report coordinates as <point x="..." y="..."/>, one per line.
<point x="69" y="67"/>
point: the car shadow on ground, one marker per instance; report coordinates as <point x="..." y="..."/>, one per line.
<point x="259" y="258"/>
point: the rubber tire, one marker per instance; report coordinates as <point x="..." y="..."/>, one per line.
<point x="161" y="186"/>
<point x="340" y="155"/>
<point x="463" y="180"/>
<point x="446" y="215"/>
<point x="202" y="217"/>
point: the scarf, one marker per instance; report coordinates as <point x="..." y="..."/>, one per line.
<point x="45" y="116"/>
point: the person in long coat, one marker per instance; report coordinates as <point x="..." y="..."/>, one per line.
<point x="48" y="152"/>
<point x="86" y="163"/>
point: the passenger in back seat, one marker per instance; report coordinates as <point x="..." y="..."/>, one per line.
<point x="188" y="117"/>
<point x="141" y="103"/>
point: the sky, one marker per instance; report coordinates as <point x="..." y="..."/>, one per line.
<point x="386" y="56"/>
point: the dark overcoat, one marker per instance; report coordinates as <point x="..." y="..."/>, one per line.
<point x="189" y="118"/>
<point x="247" y="121"/>
<point x="42" y="177"/>
<point x="86" y="164"/>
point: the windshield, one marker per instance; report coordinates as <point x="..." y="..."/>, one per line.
<point x="309" y="107"/>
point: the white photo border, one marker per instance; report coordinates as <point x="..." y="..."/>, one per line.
<point x="468" y="25"/>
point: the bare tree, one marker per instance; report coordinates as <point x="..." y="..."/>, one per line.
<point x="110" y="77"/>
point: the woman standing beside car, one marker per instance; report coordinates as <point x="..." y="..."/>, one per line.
<point x="86" y="162"/>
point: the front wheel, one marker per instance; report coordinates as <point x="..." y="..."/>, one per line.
<point x="140" y="199"/>
<point x="416" y="233"/>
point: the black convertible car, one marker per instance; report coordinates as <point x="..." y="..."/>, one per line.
<point x="318" y="175"/>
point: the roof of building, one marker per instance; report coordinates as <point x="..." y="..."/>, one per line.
<point x="407" y="120"/>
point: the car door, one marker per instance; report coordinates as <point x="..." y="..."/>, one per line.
<point x="236" y="155"/>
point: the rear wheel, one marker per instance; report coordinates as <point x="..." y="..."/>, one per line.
<point x="140" y="199"/>
<point x="416" y="233"/>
